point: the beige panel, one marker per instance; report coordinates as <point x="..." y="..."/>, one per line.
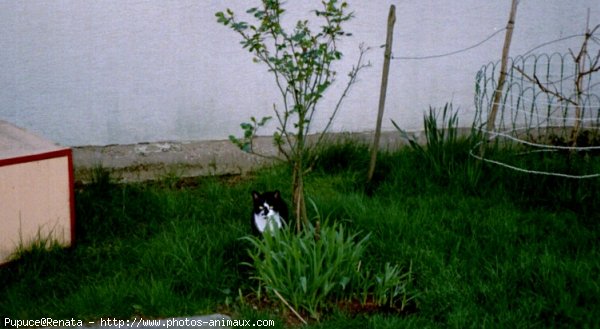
<point x="34" y="201"/>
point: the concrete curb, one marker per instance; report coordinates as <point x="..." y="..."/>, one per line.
<point x="151" y="161"/>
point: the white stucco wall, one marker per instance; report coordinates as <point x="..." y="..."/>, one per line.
<point x="124" y="71"/>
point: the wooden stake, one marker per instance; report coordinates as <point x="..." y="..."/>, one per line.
<point x="289" y="306"/>
<point x="580" y="67"/>
<point x="498" y="92"/>
<point x="382" y="93"/>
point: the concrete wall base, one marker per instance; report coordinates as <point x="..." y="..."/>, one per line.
<point x="152" y="161"/>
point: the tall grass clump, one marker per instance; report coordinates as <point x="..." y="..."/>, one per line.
<point x="445" y="151"/>
<point x="306" y="271"/>
<point x="323" y="266"/>
<point x="439" y="152"/>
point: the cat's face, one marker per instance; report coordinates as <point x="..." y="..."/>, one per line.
<point x="268" y="213"/>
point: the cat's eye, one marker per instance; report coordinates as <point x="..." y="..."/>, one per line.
<point x="261" y="207"/>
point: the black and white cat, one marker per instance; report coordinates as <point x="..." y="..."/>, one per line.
<point x="269" y="212"/>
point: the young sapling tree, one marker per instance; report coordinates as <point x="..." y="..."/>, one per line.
<point x="301" y="63"/>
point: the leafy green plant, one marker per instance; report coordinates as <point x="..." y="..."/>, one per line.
<point x="307" y="272"/>
<point x="250" y="129"/>
<point x="444" y="150"/>
<point x="322" y="265"/>
<point x="391" y="286"/>
<point x="301" y="62"/>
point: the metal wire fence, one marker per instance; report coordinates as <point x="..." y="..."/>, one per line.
<point x="543" y="111"/>
<point x="550" y="103"/>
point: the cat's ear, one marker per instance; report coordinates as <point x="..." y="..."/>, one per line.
<point x="277" y="194"/>
<point x="255" y="195"/>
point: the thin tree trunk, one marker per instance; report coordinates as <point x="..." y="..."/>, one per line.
<point x="298" y="203"/>
<point x="298" y="176"/>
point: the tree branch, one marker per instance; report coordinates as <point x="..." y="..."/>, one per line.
<point x="543" y="88"/>
<point x="353" y="75"/>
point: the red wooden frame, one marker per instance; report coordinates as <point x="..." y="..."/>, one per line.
<point x="66" y="152"/>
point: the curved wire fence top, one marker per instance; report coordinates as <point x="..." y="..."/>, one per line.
<point x="541" y="92"/>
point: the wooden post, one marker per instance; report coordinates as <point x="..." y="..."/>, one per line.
<point x="382" y="92"/>
<point x="580" y="68"/>
<point x="498" y="92"/>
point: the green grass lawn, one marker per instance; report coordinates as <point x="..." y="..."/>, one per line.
<point x="489" y="247"/>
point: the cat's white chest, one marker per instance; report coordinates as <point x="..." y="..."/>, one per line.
<point x="269" y="222"/>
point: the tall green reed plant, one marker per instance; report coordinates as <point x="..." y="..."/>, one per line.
<point x="445" y="152"/>
<point x="322" y="265"/>
<point x="441" y="143"/>
<point x="308" y="272"/>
